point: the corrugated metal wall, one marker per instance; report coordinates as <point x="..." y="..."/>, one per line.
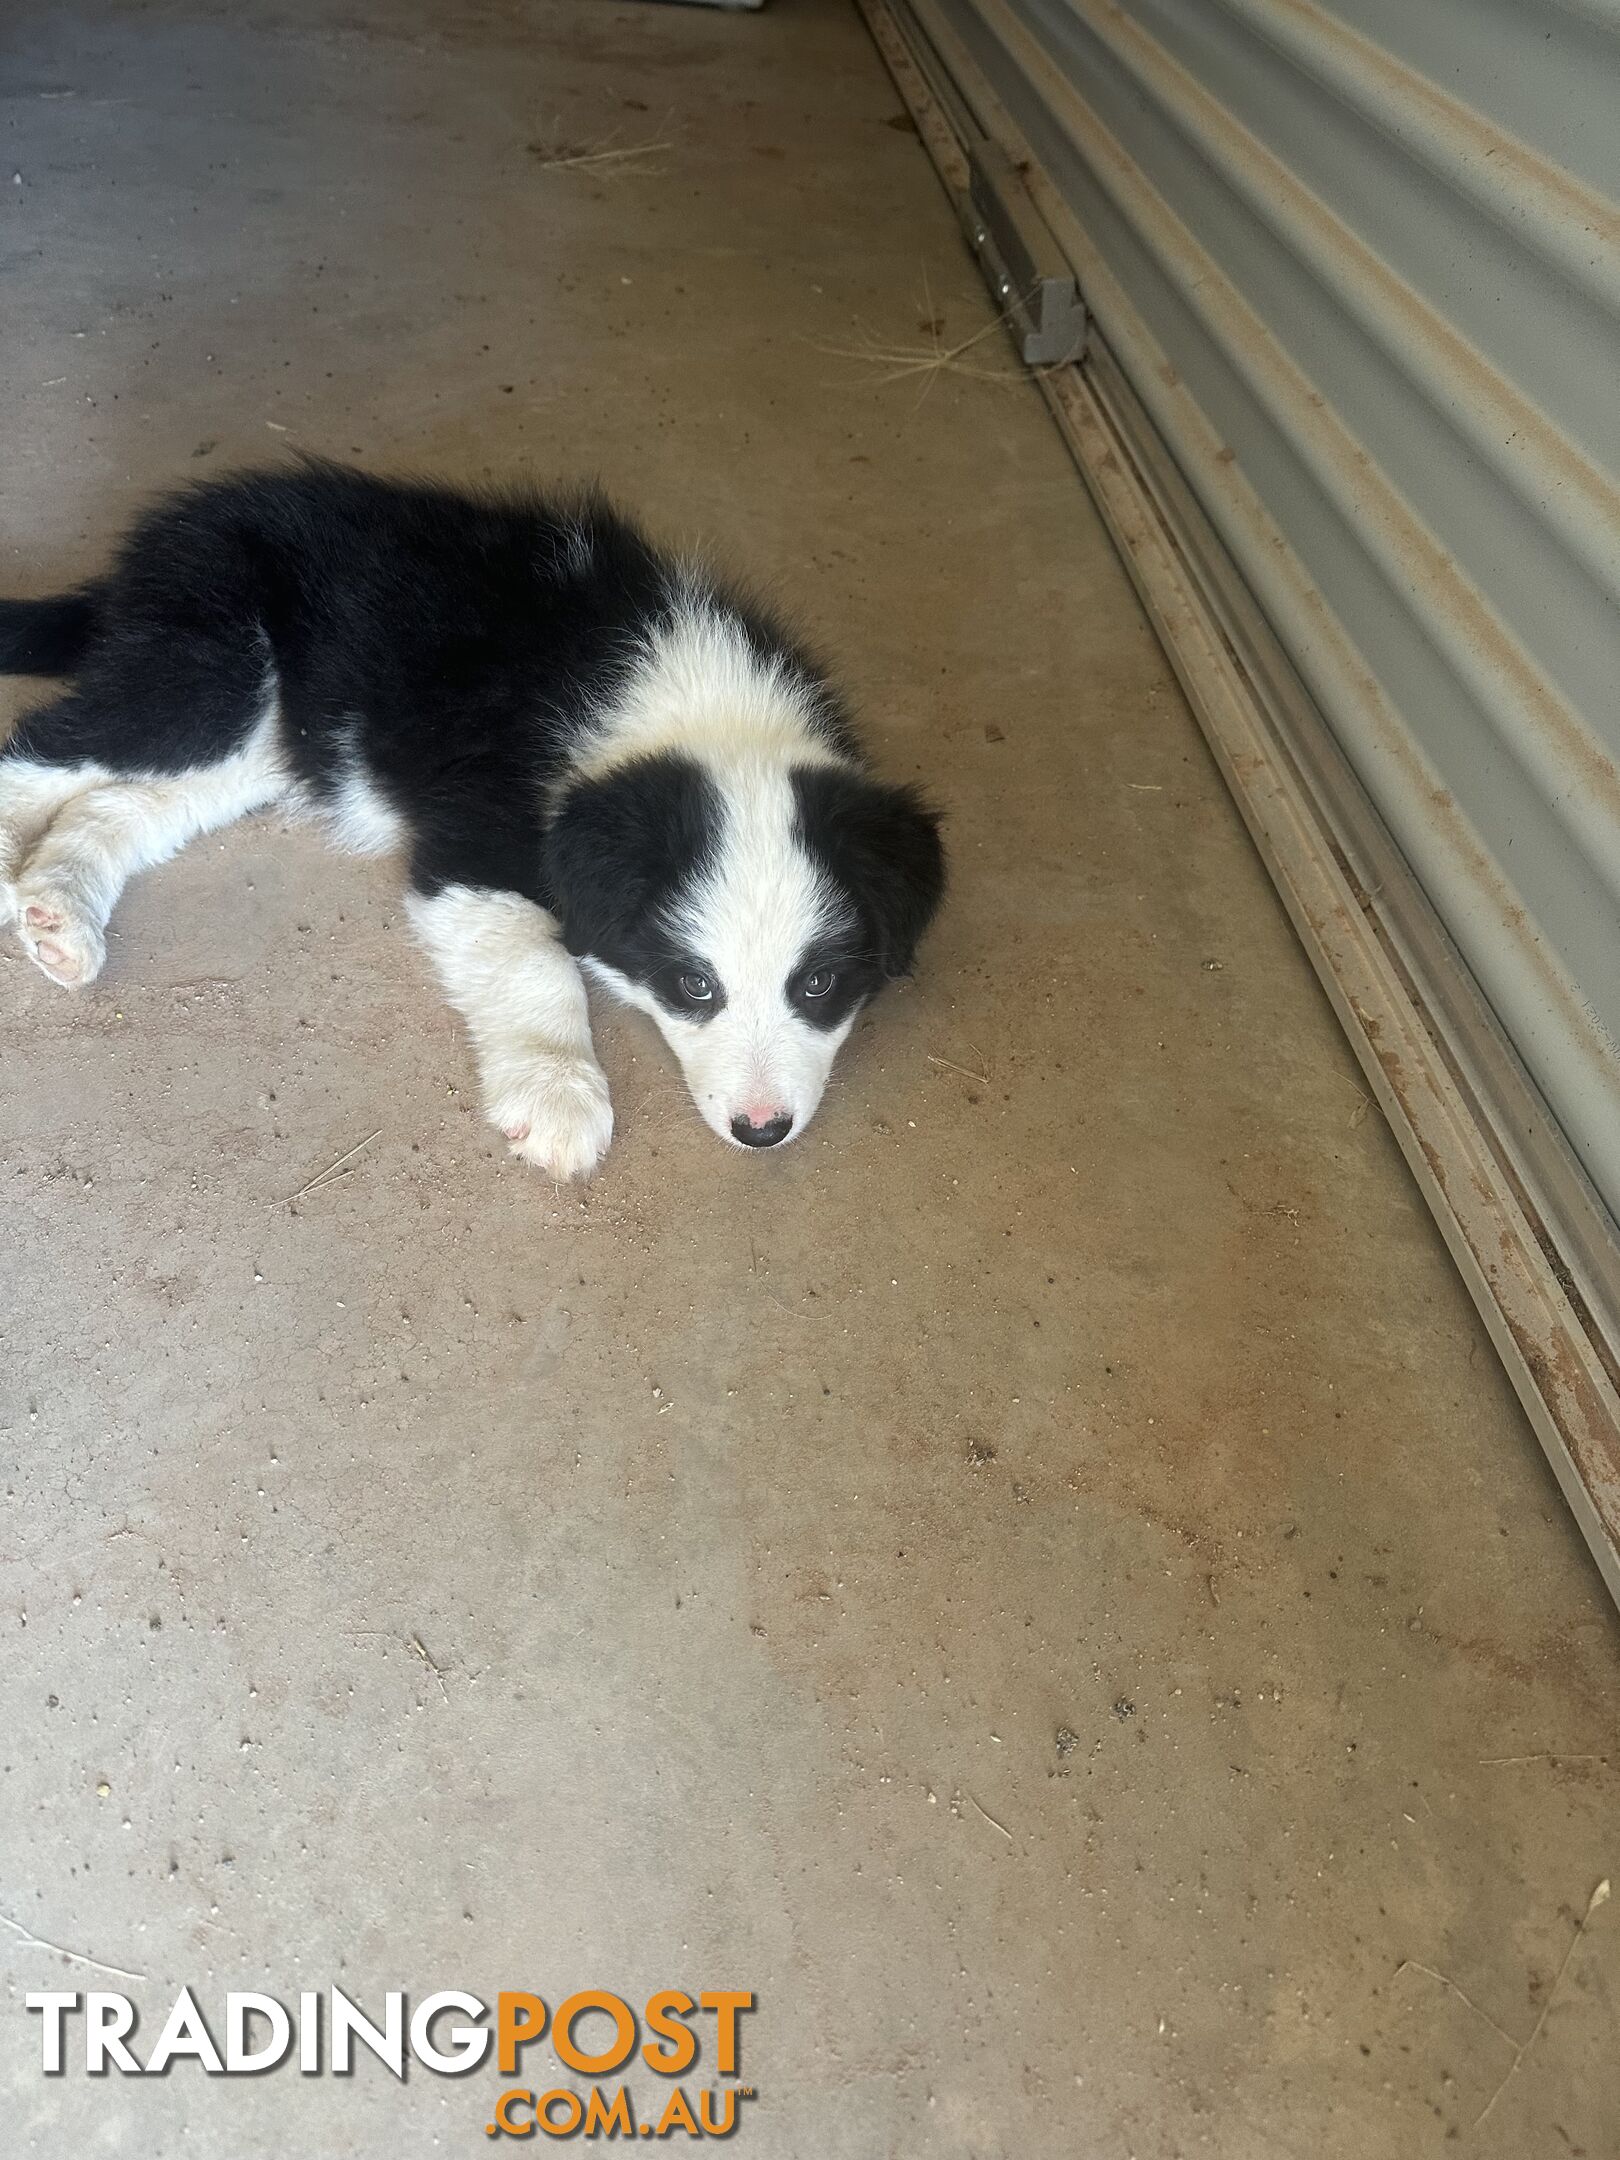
<point x="1363" y="269"/>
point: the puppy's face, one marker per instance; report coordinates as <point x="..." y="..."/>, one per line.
<point x="750" y="913"/>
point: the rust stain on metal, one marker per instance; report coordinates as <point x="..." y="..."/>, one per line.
<point x="1457" y="127"/>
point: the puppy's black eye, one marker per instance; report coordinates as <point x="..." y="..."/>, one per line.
<point x="697" y="988"/>
<point x="818" y="982"/>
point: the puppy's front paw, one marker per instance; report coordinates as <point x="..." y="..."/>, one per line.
<point x="56" y="937"/>
<point x="558" y="1115"/>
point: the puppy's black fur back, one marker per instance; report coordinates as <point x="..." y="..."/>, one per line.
<point x="451" y="646"/>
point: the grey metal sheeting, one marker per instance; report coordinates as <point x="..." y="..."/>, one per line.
<point x="1363" y="268"/>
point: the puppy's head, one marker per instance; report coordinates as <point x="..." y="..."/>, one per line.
<point x="751" y="911"/>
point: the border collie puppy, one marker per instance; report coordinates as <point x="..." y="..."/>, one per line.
<point x="591" y="757"/>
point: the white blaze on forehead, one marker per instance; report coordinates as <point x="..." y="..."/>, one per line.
<point x="701" y="689"/>
<point x="761" y="900"/>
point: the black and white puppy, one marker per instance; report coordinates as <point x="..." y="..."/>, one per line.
<point x="590" y="754"/>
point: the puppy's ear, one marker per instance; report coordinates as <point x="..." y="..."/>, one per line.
<point x="882" y="845"/>
<point x="620" y="843"/>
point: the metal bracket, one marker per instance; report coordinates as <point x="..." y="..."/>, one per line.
<point x="1017" y="251"/>
<point x="1022" y="260"/>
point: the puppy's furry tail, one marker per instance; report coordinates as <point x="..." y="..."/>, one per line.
<point x="48" y="637"/>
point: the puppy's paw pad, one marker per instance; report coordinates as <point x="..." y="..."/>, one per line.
<point x="560" y="1118"/>
<point x="68" y="947"/>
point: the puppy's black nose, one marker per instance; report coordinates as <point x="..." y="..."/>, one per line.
<point x="771" y="1134"/>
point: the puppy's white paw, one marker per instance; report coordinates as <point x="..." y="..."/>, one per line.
<point x="56" y="937"/>
<point x="558" y="1116"/>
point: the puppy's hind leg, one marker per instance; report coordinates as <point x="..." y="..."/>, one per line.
<point x="32" y="791"/>
<point x="104" y="832"/>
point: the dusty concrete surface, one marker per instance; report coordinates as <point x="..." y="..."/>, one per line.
<point x="1043" y="1582"/>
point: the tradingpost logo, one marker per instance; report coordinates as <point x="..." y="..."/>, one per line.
<point x="692" y="2084"/>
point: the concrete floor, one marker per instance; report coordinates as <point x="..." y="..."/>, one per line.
<point x="1044" y="1581"/>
